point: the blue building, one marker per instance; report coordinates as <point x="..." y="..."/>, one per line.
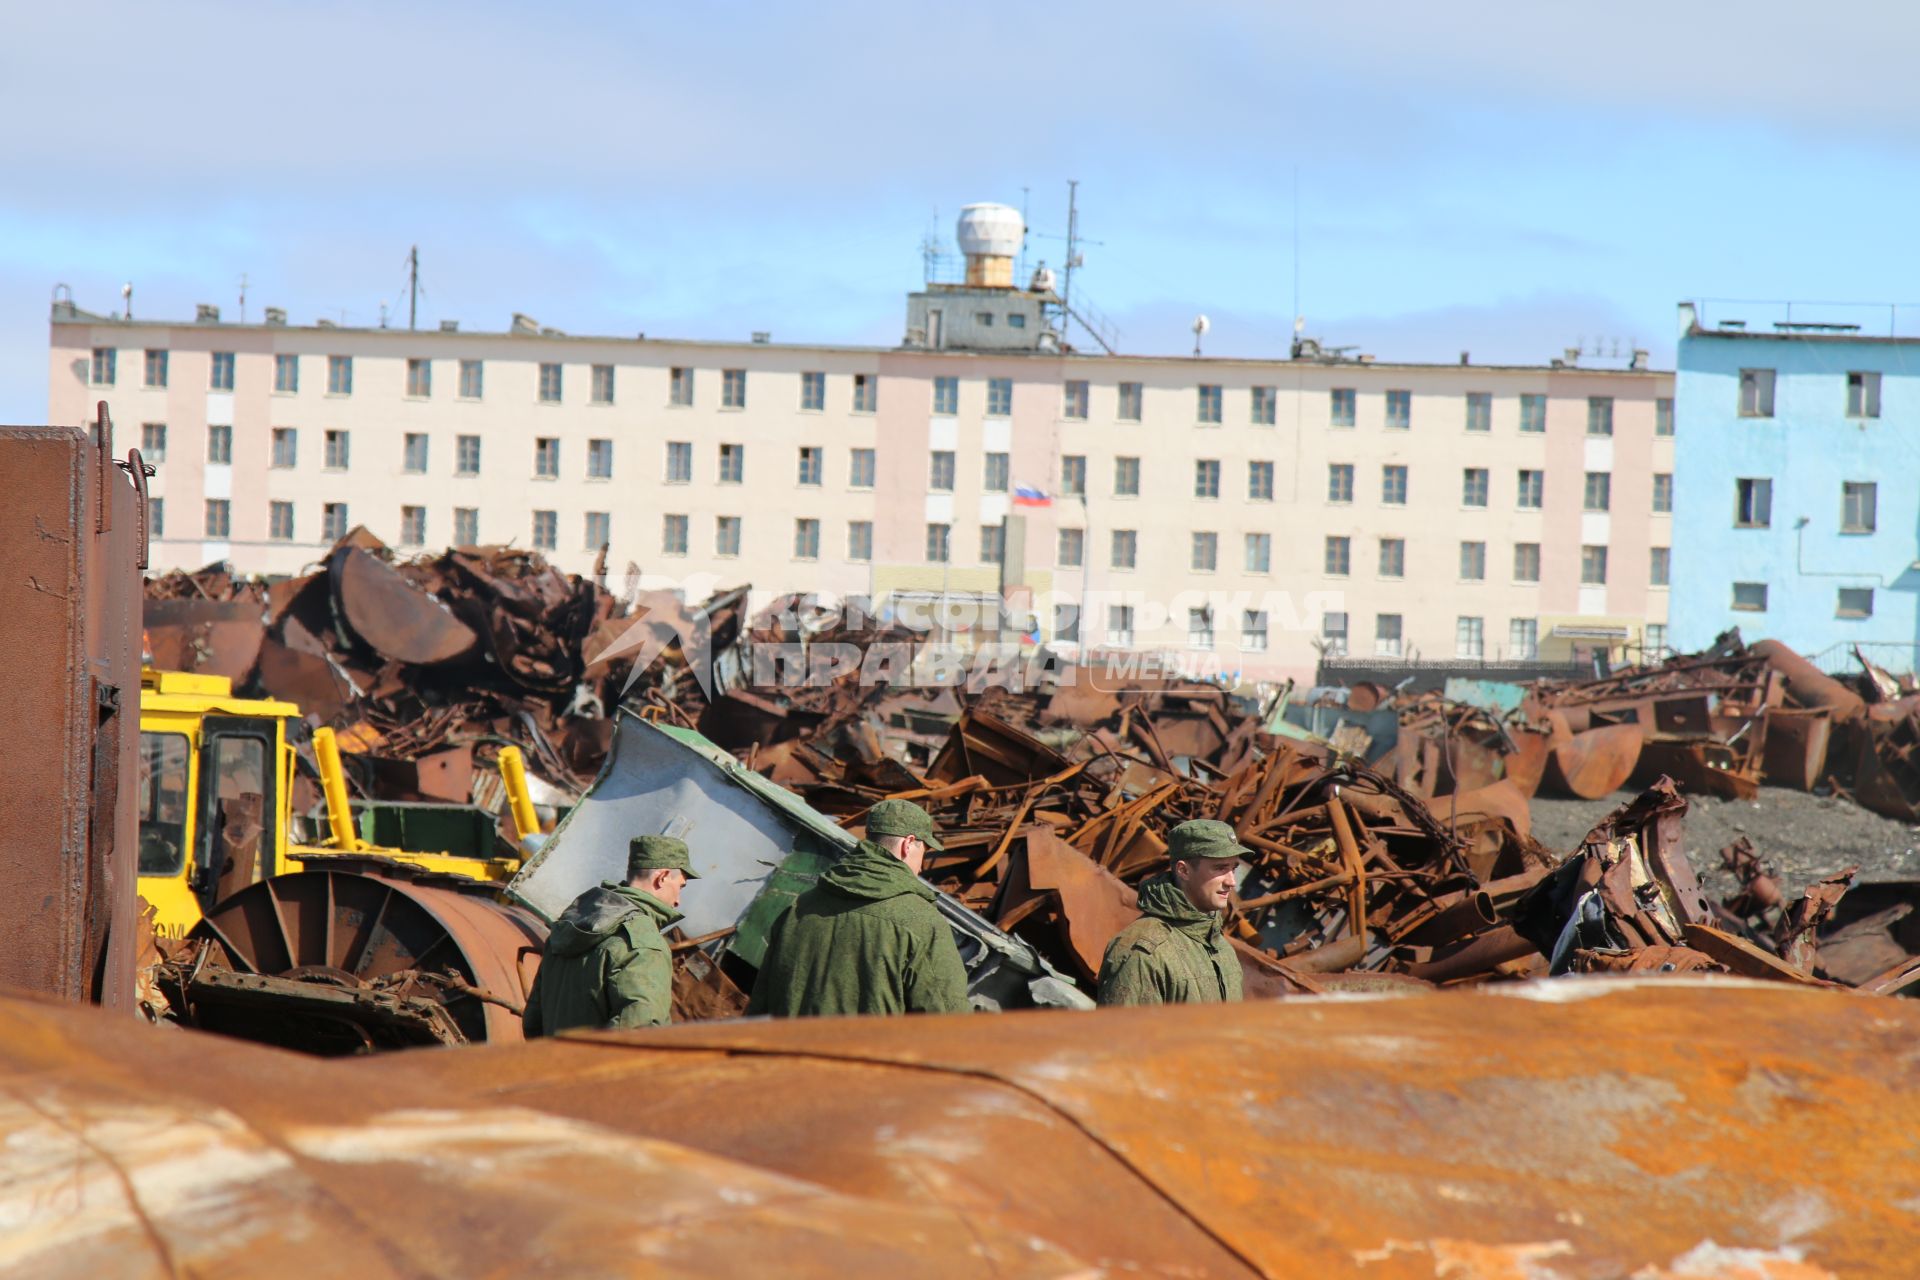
<point x="1796" y="508"/>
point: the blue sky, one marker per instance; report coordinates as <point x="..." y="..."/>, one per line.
<point x="1505" y="178"/>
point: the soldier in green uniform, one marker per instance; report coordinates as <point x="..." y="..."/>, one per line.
<point x="606" y="964"/>
<point x="1176" y="953"/>
<point x="867" y="938"/>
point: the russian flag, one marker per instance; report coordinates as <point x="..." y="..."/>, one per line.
<point x="1026" y="497"/>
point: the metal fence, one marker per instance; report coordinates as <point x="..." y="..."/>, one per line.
<point x="1901" y="657"/>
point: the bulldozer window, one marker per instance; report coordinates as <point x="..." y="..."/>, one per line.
<point x="236" y="760"/>
<point x="163" y="803"/>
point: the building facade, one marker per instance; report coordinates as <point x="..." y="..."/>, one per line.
<point x="1797" y="515"/>
<point x="1250" y="514"/>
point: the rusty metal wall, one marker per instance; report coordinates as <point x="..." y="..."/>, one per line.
<point x="71" y="538"/>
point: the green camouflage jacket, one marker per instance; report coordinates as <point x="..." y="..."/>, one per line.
<point x="606" y="964"/>
<point x="1174" y="954"/>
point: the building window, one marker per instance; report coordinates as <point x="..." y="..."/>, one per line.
<point x="1070" y="548"/>
<point x="1208" y="407"/>
<point x="1259" y="553"/>
<point x="1863" y="393"/>
<point x="1205" y="554"/>
<point x="673" y="535"/>
<point x="546" y="457"/>
<point x="866" y="392"/>
<point x="600" y="387"/>
<point x="1126" y="477"/>
<point x="1859" y="506"/>
<point x="940" y="471"/>
<point x="550" y="385"/>
<point x="1266" y="406"/>
<point x="280" y="521"/>
<point x="153" y="441"/>
<point x="806" y="539"/>
<point x="1333" y="635"/>
<point x="1599" y="491"/>
<point x="984" y="319"/>
<point x="1593" y="566"/>
<point x="1066" y="621"/>
<point x="221" y="378"/>
<point x="726" y="536"/>
<point x="472" y="380"/>
<point x="680" y="387"/>
<point x="939" y="543"/>
<point x="1129" y="407"/>
<point x="813" y="464"/>
<point x="1474" y="486"/>
<point x="1339" y="555"/>
<point x="1756" y="393"/>
<point x="1119" y="624"/>
<point x="413" y="526"/>
<point x="286" y="373"/>
<point x="546" y="530"/>
<point x="994" y="473"/>
<point x="1855" y="602"/>
<point x="1526" y="562"/>
<point x="993" y="543"/>
<point x="1393" y="557"/>
<point x="339" y="374"/>
<point x="219" y="518"/>
<point x="599" y="459"/>
<point x="1473" y="561"/>
<point x="1260" y="482"/>
<point x="1752" y="503"/>
<point x="466" y="455"/>
<point x="220" y="445"/>
<point x="1479" y="411"/>
<point x="156" y="368"/>
<point x="1200" y="628"/>
<point x="1599" y="415"/>
<point x="1015" y="320"/>
<point x="414" y="453"/>
<point x="1654" y="642"/>
<point x="733" y="388"/>
<point x="1399" y="410"/>
<point x="860" y="469"/>
<point x="1750" y="597"/>
<point x="1340" y="406"/>
<point x="466" y="526"/>
<point x="1533" y="413"/>
<point x="1074" y="402"/>
<point x="999" y="397"/>
<point x="1206" y="478"/>
<point x="1663" y="492"/>
<point x="1531" y="487"/>
<point x="1393" y="485"/>
<point x="679" y="462"/>
<point x="860" y="540"/>
<point x="1386" y="635"/>
<point x="733" y="464"/>
<point x="1659" y="566"/>
<point x="420" y="378"/>
<point x="1470" y="638"/>
<point x="1663" y="422"/>
<point x="338" y="451"/>
<point x="333" y="521"/>
<point x="813" y="391"/>
<point x="1124" y="549"/>
<point x="1339" y="482"/>
<point x="1523" y="638"/>
<point x="1073" y="475"/>
<point x="157" y="516"/>
<point x="1253" y="630"/>
<point x="946" y="396"/>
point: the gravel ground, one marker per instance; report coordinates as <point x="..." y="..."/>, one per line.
<point x="1801" y="837"/>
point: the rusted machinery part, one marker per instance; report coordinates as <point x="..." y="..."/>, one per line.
<point x="1367" y="695"/>
<point x="211" y="637"/>
<point x="1593" y="764"/>
<point x="394" y="619"/>
<point x="348" y="929"/>
<point x="1469" y="1133"/>
<point x="1795" y="754"/>
<point x="143" y="1152"/>
<point x="1809" y="685"/>
<point x="1528" y="759"/>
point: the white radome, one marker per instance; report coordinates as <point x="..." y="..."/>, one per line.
<point x="992" y="230"/>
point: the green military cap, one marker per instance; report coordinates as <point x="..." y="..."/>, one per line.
<point x="1204" y="838"/>
<point x="659" y="853"/>
<point x="902" y="818"/>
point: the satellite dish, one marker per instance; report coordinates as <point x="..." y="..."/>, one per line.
<point x="1200" y="325"/>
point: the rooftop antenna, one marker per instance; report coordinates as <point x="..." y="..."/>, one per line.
<point x="243" y="297"/>
<point x="1299" y="320"/>
<point x="413" y="287"/>
<point x="126" y="298"/>
<point x="1200" y="326"/>
<point x="1073" y="253"/>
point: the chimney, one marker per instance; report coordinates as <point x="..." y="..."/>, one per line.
<point x="1463" y="357"/>
<point x="990" y="235"/>
<point x="762" y="337"/>
<point x="1639" y="361"/>
<point x="525" y="324"/>
<point x="206" y="313"/>
<point x="276" y="315"/>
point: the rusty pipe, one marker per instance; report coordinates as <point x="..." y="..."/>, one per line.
<point x="1809" y="685"/>
<point x="1331" y="958"/>
<point x="1491" y="949"/>
<point x="333" y="785"/>
<point x="1471" y="914"/>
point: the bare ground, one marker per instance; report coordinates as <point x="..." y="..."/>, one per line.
<point x="1800" y="836"/>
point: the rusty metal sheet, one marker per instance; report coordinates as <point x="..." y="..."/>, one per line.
<point x="211" y="637"/>
<point x="1594" y="763"/>
<point x="1795" y="754"/>
<point x="393" y="618"/>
